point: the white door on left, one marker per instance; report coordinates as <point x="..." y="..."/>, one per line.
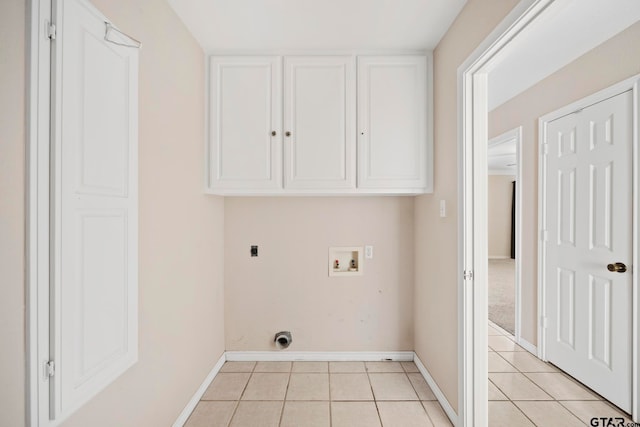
<point x="94" y="206"/>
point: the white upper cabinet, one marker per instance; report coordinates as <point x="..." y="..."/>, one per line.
<point x="319" y="122"/>
<point x="319" y="126"/>
<point x="392" y="123"/>
<point x="245" y="116"/>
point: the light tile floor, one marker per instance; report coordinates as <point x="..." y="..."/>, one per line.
<point x="322" y="394"/>
<point x="525" y="391"/>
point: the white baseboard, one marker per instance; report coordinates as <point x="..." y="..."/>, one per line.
<point x="528" y="346"/>
<point x="448" y="409"/>
<point x="501" y="330"/>
<point x="186" y="412"/>
<point x="318" y="356"/>
<point x="521" y="341"/>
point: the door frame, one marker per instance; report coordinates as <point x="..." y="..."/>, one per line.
<point x="37" y="200"/>
<point x="472" y="121"/>
<point x="472" y="197"/>
<point x="510" y="135"/>
<point x="631" y="84"/>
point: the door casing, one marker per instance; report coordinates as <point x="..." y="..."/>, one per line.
<point x="37" y="207"/>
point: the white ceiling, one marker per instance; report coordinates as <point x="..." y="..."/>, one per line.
<point x="317" y="24"/>
<point x="501" y="158"/>
<point x="567" y="30"/>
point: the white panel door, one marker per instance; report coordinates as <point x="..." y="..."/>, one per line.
<point x="589" y="225"/>
<point x="245" y="142"/>
<point x="319" y="122"/>
<point x="392" y="122"/>
<point x="95" y="208"/>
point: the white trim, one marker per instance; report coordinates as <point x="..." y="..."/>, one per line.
<point x="448" y="409"/>
<point x="527" y="346"/>
<point x="518" y="243"/>
<point x="191" y="405"/>
<point x="635" y="380"/>
<point x="472" y="234"/>
<point x="37" y="208"/>
<point x="319" y="356"/>
<point x="501" y="330"/>
<point x="542" y="167"/>
<point x="280" y="192"/>
<point x="316" y="52"/>
<point x="632" y="84"/>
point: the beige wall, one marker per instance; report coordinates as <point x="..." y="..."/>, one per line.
<point x="181" y="229"/>
<point x="12" y="152"/>
<point x="499" y="211"/>
<point x="607" y="64"/>
<point x="287" y="286"/>
<point x="436" y="251"/>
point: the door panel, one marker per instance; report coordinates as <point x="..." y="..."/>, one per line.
<point x="95" y="233"/>
<point x="589" y="224"/>
<point x="600" y="206"/>
<point x="566" y="307"/>
<point x="567" y="207"/>
<point x="319" y="108"/>
<point x="245" y="109"/>
<point x="392" y="122"/>
<point x="600" y="320"/>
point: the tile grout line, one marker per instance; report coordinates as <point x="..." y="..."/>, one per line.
<point x="330" y="401"/>
<point x="417" y="394"/>
<point x="512" y="338"/>
<point x="375" y="401"/>
<point x="235" y="410"/>
<point x="509" y="398"/>
<point x="286" y="391"/>
<point x="513" y="402"/>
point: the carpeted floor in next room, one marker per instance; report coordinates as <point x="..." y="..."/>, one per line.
<point x="502" y="276"/>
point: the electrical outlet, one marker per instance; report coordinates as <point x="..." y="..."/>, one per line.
<point x="254" y="250"/>
<point x="368" y="252"/>
<point x="443" y="209"/>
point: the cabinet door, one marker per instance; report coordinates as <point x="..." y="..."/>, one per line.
<point x="319" y="124"/>
<point x="245" y="145"/>
<point x="392" y="122"/>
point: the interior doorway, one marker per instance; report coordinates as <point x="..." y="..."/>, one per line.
<point x="474" y="77"/>
<point x="504" y="232"/>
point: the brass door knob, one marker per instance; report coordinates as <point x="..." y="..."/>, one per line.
<point x="618" y="267"/>
<point x="273" y="133"/>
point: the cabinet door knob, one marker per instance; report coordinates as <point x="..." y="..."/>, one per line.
<point x="273" y="133"/>
<point x="288" y="133"/>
